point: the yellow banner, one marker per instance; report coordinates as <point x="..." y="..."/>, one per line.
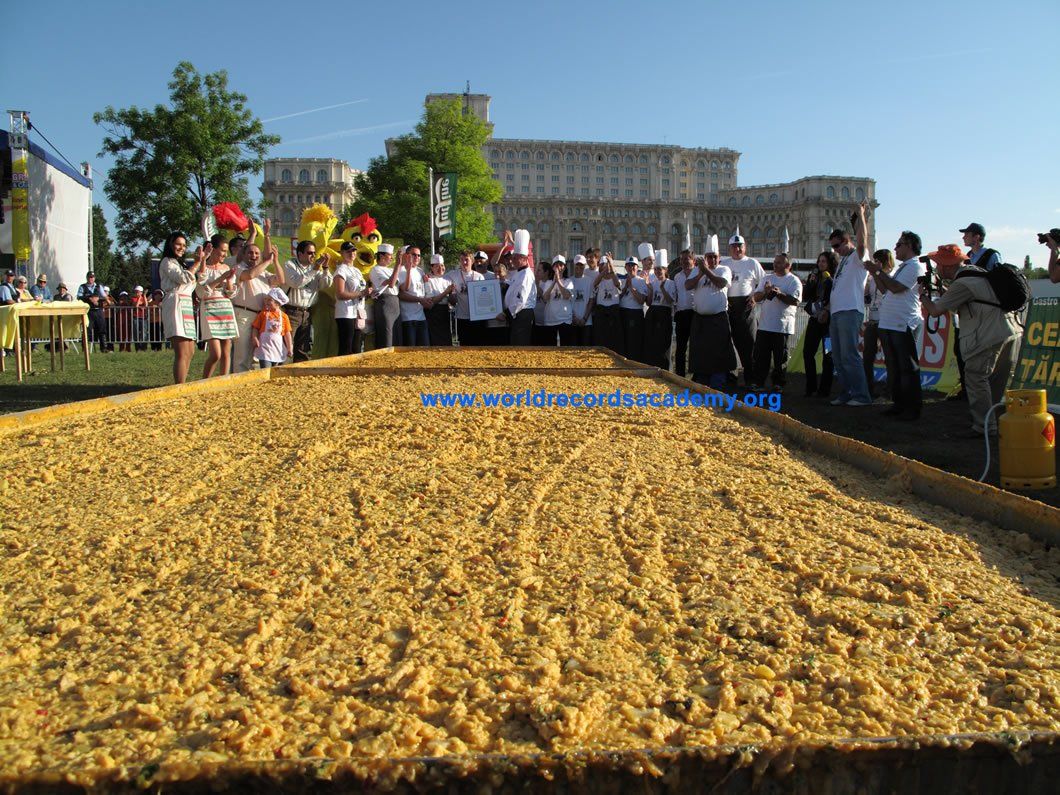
<point x="20" y="237"/>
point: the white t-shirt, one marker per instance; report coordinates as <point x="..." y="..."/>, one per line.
<point x="628" y="301"/>
<point x="848" y="284"/>
<point x="411" y="310"/>
<point x="775" y="315"/>
<point x="607" y="292"/>
<point x="349" y="308"/>
<point x="436" y="285"/>
<point x="899" y="311"/>
<point x="558" y="310"/>
<point x="657" y="289"/>
<point x="747" y="274"/>
<point x="684" y="296"/>
<point x="583" y="289"/>
<point x="380" y="275"/>
<point x="708" y="299"/>
<point x="459" y="280"/>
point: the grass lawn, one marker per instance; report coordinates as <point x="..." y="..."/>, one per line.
<point x="111" y="374"/>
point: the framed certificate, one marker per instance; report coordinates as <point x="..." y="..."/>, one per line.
<point x="484" y="299"/>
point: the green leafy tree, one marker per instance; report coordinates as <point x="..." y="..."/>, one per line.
<point x="176" y="161"/>
<point x="394" y="190"/>
<point x="102" y="245"/>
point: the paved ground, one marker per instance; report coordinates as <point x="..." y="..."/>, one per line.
<point x="937" y="438"/>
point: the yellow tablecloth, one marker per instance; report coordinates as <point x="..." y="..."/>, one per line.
<point x="68" y="312"/>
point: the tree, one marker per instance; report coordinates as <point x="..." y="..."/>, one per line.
<point x="102" y="254"/>
<point x="394" y="189"/>
<point x="175" y="162"/>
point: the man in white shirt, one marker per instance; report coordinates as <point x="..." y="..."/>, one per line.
<point x="631" y="305"/>
<point x="581" y="317"/>
<point x="306" y="276"/>
<point x="411" y="294"/>
<point x="900" y="317"/>
<point x="847" y="305"/>
<point x="746" y="273"/>
<point x="521" y="297"/>
<point x="710" y="351"/>
<point x="386" y="311"/>
<point x="468" y="332"/>
<point x="683" y="310"/>
<point x="778" y="295"/>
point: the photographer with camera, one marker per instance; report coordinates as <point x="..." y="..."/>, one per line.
<point x="1052" y="240"/>
<point x="989" y="333"/>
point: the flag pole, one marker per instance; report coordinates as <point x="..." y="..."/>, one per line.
<point x="430" y="202"/>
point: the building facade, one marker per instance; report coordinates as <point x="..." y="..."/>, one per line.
<point x="575" y="194"/>
<point x="292" y="184"/>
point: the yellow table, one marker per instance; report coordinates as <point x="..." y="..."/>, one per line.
<point x="23" y="321"/>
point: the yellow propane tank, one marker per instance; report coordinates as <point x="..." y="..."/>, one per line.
<point x="1027" y="440"/>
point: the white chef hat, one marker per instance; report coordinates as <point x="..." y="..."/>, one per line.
<point x="579" y="259"/>
<point x="712" y="245"/>
<point x="645" y="251"/>
<point x="437" y="259"/>
<point x="386" y="248"/>
<point x="278" y="295"/>
<point x="736" y="240"/>
<point x="559" y="258"/>
<point x="662" y="259"/>
<point x="522" y="242"/>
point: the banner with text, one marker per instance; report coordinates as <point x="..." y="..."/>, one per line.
<point x="444" y="220"/>
<point x="1038" y="366"/>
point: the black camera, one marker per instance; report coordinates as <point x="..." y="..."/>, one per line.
<point x="1052" y="233"/>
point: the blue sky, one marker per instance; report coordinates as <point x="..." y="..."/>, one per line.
<point x="949" y="106"/>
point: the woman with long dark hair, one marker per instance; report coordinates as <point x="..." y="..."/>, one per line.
<point x="178" y="312"/>
<point x="816" y="293"/>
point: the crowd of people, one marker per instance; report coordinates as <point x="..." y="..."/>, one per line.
<point x="706" y="316"/>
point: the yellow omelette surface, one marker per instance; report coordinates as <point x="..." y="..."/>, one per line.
<point x="319" y="567"/>
<point x="488" y="357"/>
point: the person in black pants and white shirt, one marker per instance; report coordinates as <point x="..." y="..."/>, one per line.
<point x="779" y="296"/>
<point x="683" y="310"/>
<point x="747" y="274"/>
<point x="658" y="322"/>
<point x="631" y="308"/>
<point x="899" y="319"/>
<point x="557" y="293"/>
<point x="521" y="297"/>
<point x="710" y="352"/>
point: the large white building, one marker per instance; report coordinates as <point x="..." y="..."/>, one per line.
<point x="291" y="184"/>
<point x="574" y="194"/>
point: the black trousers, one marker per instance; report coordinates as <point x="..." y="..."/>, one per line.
<point x="742" y="323"/>
<point x="471" y="332"/>
<point x="583" y="335"/>
<point x="868" y="354"/>
<point x="683" y="329"/>
<point x="771" y="345"/>
<point x="97" y="328"/>
<point x="632" y="334"/>
<point x="349" y="335"/>
<point x="522" y="328"/>
<point x="438" y="329"/>
<point x="815" y="335"/>
<point x="903" y="371"/>
<point x="658" y="334"/>
<point x="302" y="328"/>
<point x="543" y="336"/>
<point x="607" y="328"/>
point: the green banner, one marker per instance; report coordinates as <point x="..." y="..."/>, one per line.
<point x="1038" y="366"/>
<point x="444" y="206"/>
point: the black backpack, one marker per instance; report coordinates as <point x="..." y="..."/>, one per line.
<point x="1008" y="282"/>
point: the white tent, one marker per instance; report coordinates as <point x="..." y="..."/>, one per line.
<point x="60" y="207"/>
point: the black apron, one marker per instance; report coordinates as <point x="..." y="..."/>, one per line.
<point x="658" y="336"/>
<point x="710" y="345"/>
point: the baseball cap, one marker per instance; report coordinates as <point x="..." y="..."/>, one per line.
<point x="437" y="259"/>
<point x="9" y="273"/>
<point x="736" y="240"/>
<point x="481" y="255"/>
<point x="975" y="229"/>
<point x="559" y="258"/>
<point x="579" y="260"/>
<point x="386" y="248"/>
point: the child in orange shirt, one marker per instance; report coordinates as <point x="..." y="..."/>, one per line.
<point x="270" y="332"/>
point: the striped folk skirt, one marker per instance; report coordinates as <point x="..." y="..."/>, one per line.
<point x="218" y="321"/>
